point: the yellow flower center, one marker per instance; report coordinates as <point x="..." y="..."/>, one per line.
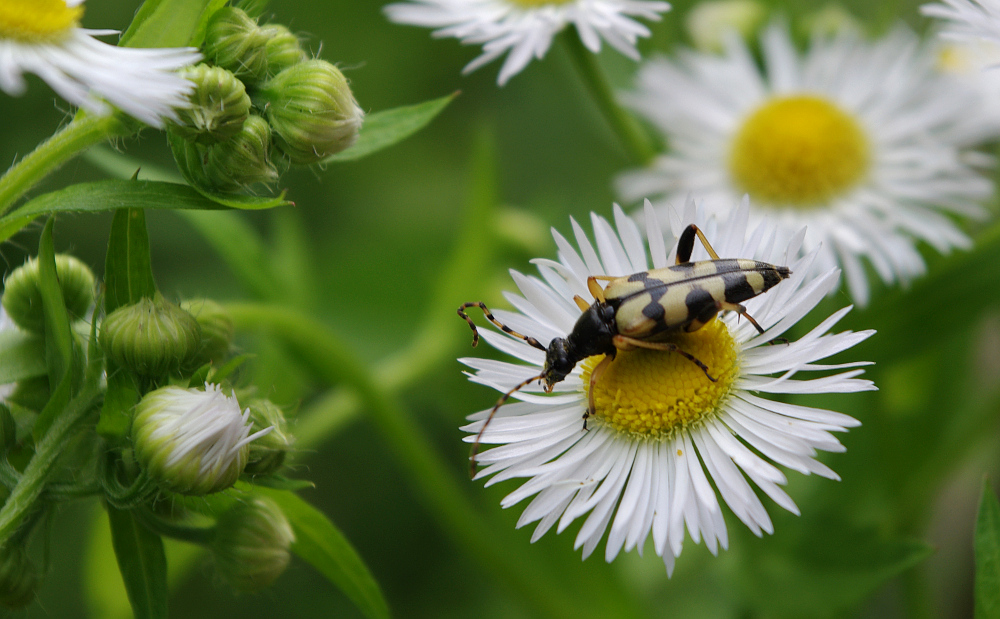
<point x="798" y="151"/>
<point x="652" y="393"/>
<point x="534" y="3"/>
<point x="37" y="21"/>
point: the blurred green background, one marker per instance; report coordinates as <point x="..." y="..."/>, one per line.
<point x="378" y="233"/>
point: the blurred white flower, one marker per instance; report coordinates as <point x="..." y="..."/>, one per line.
<point x="860" y="142"/>
<point x="524" y="29"/>
<point x="44" y="37"/>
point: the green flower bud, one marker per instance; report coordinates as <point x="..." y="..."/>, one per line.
<point x="217" y="330"/>
<point x="235" y="42"/>
<point x="152" y="338"/>
<point x="283" y="49"/>
<point x="190" y="158"/>
<point x="219" y="105"/>
<point x="251" y="544"/>
<point x="312" y="110"/>
<point x="23" y="297"/>
<point x="268" y="453"/>
<point x="192" y="441"/>
<point x="18" y="578"/>
<point x="708" y="23"/>
<point x="236" y="164"/>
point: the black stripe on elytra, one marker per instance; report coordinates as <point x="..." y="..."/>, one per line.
<point x="654" y="309"/>
<point x="700" y="304"/>
<point x="738" y="289"/>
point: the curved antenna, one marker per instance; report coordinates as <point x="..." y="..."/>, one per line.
<point x="489" y="316"/>
<point x="475" y="444"/>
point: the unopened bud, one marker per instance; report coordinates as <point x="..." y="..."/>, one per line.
<point x="268" y="453"/>
<point x="312" y="110"/>
<point x="251" y="545"/>
<point x="192" y="441"/>
<point x="219" y="105"/>
<point x="244" y="160"/>
<point x="152" y="337"/>
<point x="233" y="41"/>
<point x="217" y="330"/>
<point x="22" y="297"/>
<point x="283" y="49"/>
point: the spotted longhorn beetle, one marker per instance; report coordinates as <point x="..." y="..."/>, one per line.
<point x="640" y="310"/>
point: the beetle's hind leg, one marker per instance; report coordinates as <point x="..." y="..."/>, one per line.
<point x="685" y="244"/>
<point x="489" y="316"/>
<point x="624" y="343"/>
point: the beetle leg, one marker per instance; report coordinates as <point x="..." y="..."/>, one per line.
<point x="742" y="311"/>
<point x="475" y="444"/>
<point x="685" y="244"/>
<point x="581" y="303"/>
<point x="594" y="377"/>
<point x="595" y="288"/>
<point x="625" y="343"/>
<point x="489" y="316"/>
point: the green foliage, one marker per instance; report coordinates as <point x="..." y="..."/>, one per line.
<point x="142" y="563"/>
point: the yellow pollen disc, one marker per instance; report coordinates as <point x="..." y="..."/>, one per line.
<point x="536" y="3"/>
<point x="37" y="21"/>
<point x="652" y="393"/>
<point x="798" y="151"/>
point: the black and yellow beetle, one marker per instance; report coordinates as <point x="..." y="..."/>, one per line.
<point x="641" y="310"/>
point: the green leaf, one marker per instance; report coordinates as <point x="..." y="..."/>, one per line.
<point x="324" y="547"/>
<point x="383" y="129"/>
<point x="988" y="555"/>
<point x="244" y="202"/>
<point x="165" y="23"/>
<point x="128" y="273"/>
<point x="142" y="563"/>
<point x="22" y="355"/>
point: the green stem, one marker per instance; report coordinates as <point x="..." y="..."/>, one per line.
<point x="23" y="497"/>
<point x="84" y="131"/>
<point x="321" y="350"/>
<point x="635" y="140"/>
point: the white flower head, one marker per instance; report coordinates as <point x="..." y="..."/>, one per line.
<point x="967" y="19"/>
<point x="861" y="142"/>
<point x="192" y="441"/>
<point x="524" y="29"/>
<point x="43" y="37"/>
<point x="662" y="432"/>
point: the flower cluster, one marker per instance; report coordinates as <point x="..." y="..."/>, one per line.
<point x="259" y="103"/>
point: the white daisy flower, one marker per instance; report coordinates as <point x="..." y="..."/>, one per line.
<point x="525" y="28"/>
<point x="192" y="441"/>
<point x="967" y="19"/>
<point x="44" y="37"/>
<point x="857" y="141"/>
<point x="663" y="433"/>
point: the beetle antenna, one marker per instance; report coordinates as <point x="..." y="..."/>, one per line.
<point x="489" y="316"/>
<point x="475" y="444"/>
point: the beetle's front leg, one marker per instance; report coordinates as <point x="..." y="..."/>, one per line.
<point x="594" y="377"/>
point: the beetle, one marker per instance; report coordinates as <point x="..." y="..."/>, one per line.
<point x="642" y="310"/>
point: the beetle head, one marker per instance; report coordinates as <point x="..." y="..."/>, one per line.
<point x="559" y="362"/>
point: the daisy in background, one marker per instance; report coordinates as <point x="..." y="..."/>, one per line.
<point x="861" y="142"/>
<point x="524" y="29"/>
<point x="44" y="37"/>
<point x="967" y="20"/>
<point x="663" y="433"/>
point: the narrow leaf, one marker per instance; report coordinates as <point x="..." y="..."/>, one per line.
<point x="128" y="273"/>
<point x="164" y="23"/>
<point x="244" y="202"/>
<point x="121" y="396"/>
<point x="324" y="547"/>
<point x="142" y="563"/>
<point x="988" y="555"/>
<point x="383" y="129"/>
